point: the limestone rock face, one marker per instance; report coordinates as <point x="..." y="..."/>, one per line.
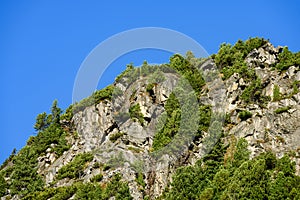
<point x="125" y="143"/>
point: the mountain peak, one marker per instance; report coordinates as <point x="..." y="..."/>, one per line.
<point x="212" y="126"/>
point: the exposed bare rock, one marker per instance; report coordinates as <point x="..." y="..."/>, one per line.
<point x="265" y="55"/>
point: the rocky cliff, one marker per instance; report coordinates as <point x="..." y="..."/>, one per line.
<point x="120" y="132"/>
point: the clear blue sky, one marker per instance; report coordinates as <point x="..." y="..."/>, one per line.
<point x="43" y="43"/>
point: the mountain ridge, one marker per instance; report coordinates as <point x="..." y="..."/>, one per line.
<point x="106" y="145"/>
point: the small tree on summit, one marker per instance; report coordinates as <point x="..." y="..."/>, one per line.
<point x="56" y="111"/>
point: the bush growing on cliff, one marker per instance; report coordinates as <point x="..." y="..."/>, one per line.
<point x="286" y="59"/>
<point x="135" y="113"/>
<point x="276" y="93"/>
<point x="95" y="98"/>
<point x="253" y="93"/>
<point x="244" y="115"/>
<point x="114" y="137"/>
<point x="282" y="109"/>
<point x="75" y="168"/>
<point x="171" y="126"/>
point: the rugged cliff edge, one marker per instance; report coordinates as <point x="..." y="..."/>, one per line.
<point x="119" y="138"/>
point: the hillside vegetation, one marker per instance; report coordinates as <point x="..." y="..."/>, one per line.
<point x="229" y="171"/>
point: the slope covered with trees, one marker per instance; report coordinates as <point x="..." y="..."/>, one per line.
<point x="227" y="172"/>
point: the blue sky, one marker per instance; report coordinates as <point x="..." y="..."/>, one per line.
<point x="43" y="44"/>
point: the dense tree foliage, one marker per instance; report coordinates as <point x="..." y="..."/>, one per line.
<point x="3" y="185"/>
<point x="25" y="178"/>
<point x="86" y="191"/>
<point x="264" y="177"/>
<point x="9" y="159"/>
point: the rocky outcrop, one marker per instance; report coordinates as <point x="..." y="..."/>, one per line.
<point x="125" y="144"/>
<point x="268" y="129"/>
<point x="263" y="56"/>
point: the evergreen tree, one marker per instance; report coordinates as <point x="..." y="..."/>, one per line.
<point x="41" y="122"/>
<point x="3" y="185"/>
<point x="55" y="111"/>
